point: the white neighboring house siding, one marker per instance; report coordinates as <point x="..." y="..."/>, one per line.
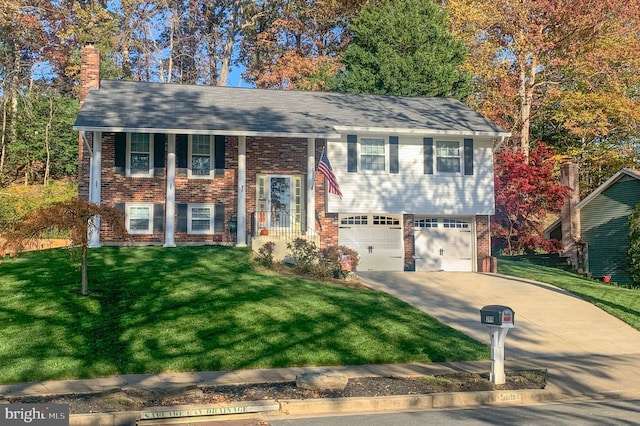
<point x="410" y="190"/>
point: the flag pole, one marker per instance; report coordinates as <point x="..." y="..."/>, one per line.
<point x="313" y="181"/>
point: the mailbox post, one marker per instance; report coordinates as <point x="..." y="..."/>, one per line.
<point x="499" y="319"/>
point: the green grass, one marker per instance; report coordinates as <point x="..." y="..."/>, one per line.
<point x="623" y="303"/>
<point x="153" y="309"/>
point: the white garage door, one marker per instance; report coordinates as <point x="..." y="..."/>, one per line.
<point x="443" y="244"/>
<point x="376" y="238"/>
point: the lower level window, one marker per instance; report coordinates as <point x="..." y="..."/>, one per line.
<point x="201" y="218"/>
<point x="139" y="218"/>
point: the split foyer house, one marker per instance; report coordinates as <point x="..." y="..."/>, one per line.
<point x="220" y="165"/>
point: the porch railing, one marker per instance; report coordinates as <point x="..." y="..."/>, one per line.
<point x="280" y="224"/>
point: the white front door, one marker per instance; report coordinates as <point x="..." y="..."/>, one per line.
<point x="376" y="238"/>
<point x="443" y="244"/>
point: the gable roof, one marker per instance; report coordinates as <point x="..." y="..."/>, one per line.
<point x="172" y="108"/>
<point x="613" y="179"/>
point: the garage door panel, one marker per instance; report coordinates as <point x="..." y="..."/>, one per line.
<point x="439" y="248"/>
<point x="380" y="246"/>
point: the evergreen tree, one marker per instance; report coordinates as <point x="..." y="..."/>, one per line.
<point x="403" y="47"/>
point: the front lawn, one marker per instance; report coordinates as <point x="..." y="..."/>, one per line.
<point x="154" y="309"/>
<point x="622" y="303"/>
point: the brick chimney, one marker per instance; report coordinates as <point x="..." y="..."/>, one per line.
<point x="89" y="70"/>
<point x="89" y="79"/>
<point x="569" y="216"/>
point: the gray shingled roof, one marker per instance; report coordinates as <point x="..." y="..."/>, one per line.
<point x="172" y="108"/>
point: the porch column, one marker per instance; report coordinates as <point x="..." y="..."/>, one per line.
<point x="95" y="181"/>
<point x="311" y="193"/>
<point x="170" y="207"/>
<point x="241" y="235"/>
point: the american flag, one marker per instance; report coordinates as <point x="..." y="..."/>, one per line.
<point x="325" y="168"/>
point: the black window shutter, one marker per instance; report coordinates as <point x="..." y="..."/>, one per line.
<point x="352" y="153"/>
<point x="182" y="217"/>
<point x="428" y="155"/>
<point x="182" y="149"/>
<point x="158" y="217"/>
<point x="120" y="152"/>
<point x="219" y="147"/>
<point x="159" y="140"/>
<point x="468" y="156"/>
<point x="393" y="154"/>
<point x="119" y="207"/>
<point x="218" y="218"/>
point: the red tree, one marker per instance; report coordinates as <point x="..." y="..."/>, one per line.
<point x="525" y="194"/>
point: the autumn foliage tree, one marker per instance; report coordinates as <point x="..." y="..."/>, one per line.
<point x="574" y="62"/>
<point x="74" y="217"/>
<point x="526" y="192"/>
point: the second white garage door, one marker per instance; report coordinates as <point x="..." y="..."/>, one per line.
<point x="443" y="244"/>
<point x="376" y="238"/>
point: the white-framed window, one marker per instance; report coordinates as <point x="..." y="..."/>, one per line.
<point x="139" y="154"/>
<point x="428" y="222"/>
<point x="201" y="218"/>
<point x="455" y="223"/>
<point x="139" y="218"/>
<point x="354" y="220"/>
<point x="373" y="156"/>
<point x="201" y="161"/>
<point x="448" y="157"/>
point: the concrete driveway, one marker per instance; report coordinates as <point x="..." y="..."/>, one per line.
<point x="550" y="322"/>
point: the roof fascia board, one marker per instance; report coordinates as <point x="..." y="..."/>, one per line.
<point x="419" y="132"/>
<point x="334" y="136"/>
<point x="599" y="190"/>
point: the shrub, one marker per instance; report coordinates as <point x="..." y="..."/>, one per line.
<point x="305" y="255"/>
<point x="265" y="254"/>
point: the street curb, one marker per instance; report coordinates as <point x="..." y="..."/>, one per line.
<point x="296" y="408"/>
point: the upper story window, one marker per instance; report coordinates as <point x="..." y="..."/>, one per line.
<point x="448" y="158"/>
<point x="139" y="155"/>
<point x="200" y="156"/>
<point x="372" y="154"/>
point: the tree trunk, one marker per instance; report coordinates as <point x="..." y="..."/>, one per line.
<point x="47" y="130"/>
<point x="227" y="51"/>
<point x="85" y="286"/>
<point x="525" y="93"/>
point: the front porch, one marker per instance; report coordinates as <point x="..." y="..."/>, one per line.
<point x="279" y="226"/>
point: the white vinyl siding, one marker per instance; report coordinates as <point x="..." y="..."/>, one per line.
<point x="411" y="191"/>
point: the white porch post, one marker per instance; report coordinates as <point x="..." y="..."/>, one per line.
<point x="95" y="181"/>
<point x="241" y="235"/>
<point x="170" y="206"/>
<point x="311" y="193"/>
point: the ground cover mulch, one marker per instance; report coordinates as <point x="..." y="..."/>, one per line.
<point x="138" y="399"/>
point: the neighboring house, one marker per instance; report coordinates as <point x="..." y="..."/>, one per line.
<point x="600" y="225"/>
<point x="220" y="165"/>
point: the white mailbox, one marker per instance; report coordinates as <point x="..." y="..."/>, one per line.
<point x="499" y="319"/>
